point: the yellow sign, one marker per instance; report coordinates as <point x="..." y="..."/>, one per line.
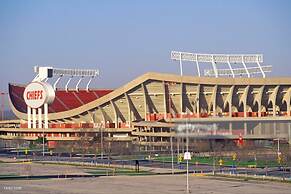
<point x="220" y="162"/>
<point x="279" y="159"/>
<point x="180" y="158"/>
<point x="234" y="156"/>
<point x="25" y="151"/>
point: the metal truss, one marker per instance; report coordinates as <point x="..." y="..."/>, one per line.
<point x="44" y="73"/>
<point x="215" y="59"/>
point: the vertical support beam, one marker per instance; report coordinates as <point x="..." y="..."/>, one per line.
<point x="181" y="65"/>
<point x="261" y="69"/>
<point x="288" y="107"/>
<point x="57" y="81"/>
<point x="103" y="114"/>
<point x="214" y="97"/>
<point x="230" y="128"/>
<point x="245" y="100"/>
<point x="198" y="100"/>
<point x="245" y="109"/>
<point x="275" y="130"/>
<point x="274" y="99"/>
<point x="165" y="98"/>
<point x="197" y="65"/>
<point x="260" y="128"/>
<point x="289" y="133"/>
<point x="46" y="116"/>
<point x="230" y="101"/>
<point x="145" y="101"/>
<point x="115" y="113"/>
<point x="39" y="118"/>
<point x="181" y="99"/>
<point x="287" y="98"/>
<point x="28" y="117"/>
<point x="128" y="109"/>
<point x="261" y="93"/>
<point x="214" y="67"/>
<point x="67" y="84"/>
<point x="78" y="83"/>
<point x="243" y="62"/>
<point x="34" y="118"/>
<point x="229" y="65"/>
<point x="245" y="128"/>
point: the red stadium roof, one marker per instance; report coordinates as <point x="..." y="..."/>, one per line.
<point x="65" y="100"/>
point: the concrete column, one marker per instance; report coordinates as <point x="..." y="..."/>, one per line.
<point x="198" y="101"/>
<point x="260" y="128"/>
<point x="245" y="128"/>
<point x="230" y="128"/>
<point x="28" y="117"/>
<point x="46" y="116"/>
<point x="245" y="109"/>
<point x="260" y="109"/>
<point x="39" y="118"/>
<point x="230" y="108"/>
<point x="275" y="129"/>
<point x="34" y="118"/>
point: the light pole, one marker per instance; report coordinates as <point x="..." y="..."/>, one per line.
<point x="187" y="162"/>
<point x="43" y="142"/>
<point x="172" y="154"/>
<point x="101" y="139"/>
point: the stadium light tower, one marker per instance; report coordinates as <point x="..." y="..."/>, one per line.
<point x="44" y="73"/>
<point x="216" y="59"/>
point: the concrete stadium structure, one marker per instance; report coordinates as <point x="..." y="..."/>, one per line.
<point x="146" y="110"/>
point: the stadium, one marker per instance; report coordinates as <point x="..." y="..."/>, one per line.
<point x="242" y="102"/>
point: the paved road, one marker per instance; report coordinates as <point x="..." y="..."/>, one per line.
<point x="276" y="172"/>
<point x="141" y="185"/>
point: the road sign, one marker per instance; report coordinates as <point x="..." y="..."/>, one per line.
<point x="25" y="151"/>
<point x="279" y="159"/>
<point x="234" y="156"/>
<point x="220" y="162"/>
<point x="180" y="158"/>
<point x="187" y="156"/>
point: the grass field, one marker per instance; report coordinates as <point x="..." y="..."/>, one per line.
<point x="227" y="161"/>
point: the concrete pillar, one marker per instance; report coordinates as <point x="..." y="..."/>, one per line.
<point x="230" y="108"/>
<point x="245" y="128"/>
<point x="230" y="128"/>
<point x="34" y="118"/>
<point x="260" y="128"/>
<point x="39" y="112"/>
<point x="28" y="117"/>
<point x="289" y="133"/>
<point x="46" y="116"/>
<point x="245" y="109"/>
<point x="275" y="129"/>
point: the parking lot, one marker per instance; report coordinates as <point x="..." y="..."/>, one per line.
<point x="142" y="185"/>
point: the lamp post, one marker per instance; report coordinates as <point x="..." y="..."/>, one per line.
<point x="172" y="154"/>
<point x="187" y="159"/>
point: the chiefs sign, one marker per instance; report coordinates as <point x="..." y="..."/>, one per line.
<point x="36" y="94"/>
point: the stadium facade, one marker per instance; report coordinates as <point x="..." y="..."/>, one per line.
<point x="146" y="110"/>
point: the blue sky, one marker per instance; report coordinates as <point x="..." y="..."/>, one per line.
<point x="125" y="39"/>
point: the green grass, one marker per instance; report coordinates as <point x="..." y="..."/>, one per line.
<point x="118" y="171"/>
<point x="6" y="175"/>
<point x="227" y="161"/>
